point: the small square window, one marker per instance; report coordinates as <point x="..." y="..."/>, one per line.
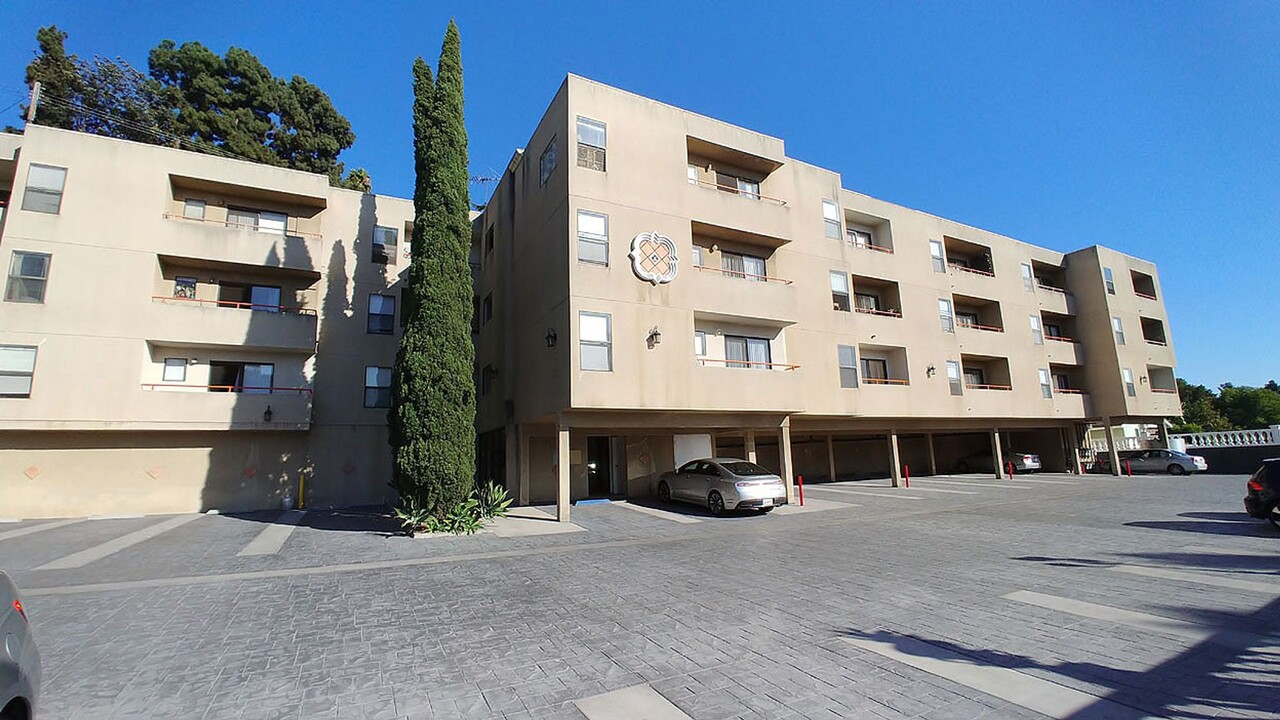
<point x="547" y="163"/>
<point x="595" y="341"/>
<point x="193" y="209"/>
<point x="593" y="237"/>
<point x="382" y="314"/>
<point x="17" y="369"/>
<point x="847" y="356"/>
<point x="831" y="219"/>
<point x="591" y="144"/>
<point x="377" y="387"/>
<point x="28" y="275"/>
<point x="44" y="189"/>
<point x="385" y="240"/>
<point x="175" y="369"/>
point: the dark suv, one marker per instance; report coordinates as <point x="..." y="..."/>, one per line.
<point x="1263" y="498"/>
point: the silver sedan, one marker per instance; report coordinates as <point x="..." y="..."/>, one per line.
<point x="722" y="484"/>
<point x="19" y="659"/>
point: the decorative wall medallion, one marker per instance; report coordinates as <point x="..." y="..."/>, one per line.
<point x="155" y="472"/>
<point x="32" y="472"/>
<point x="653" y="258"/>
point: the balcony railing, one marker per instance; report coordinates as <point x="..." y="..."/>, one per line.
<point x="1071" y="391"/>
<point x="742" y="275"/>
<point x="1167" y="391"/>
<point x="735" y="191"/>
<point x="1051" y="288"/>
<point x="1154" y="341"/>
<point x="746" y="364"/>
<point x="871" y="246"/>
<point x="1141" y="294"/>
<point x="975" y="271"/>
<point x="282" y="309"/>
<point x="246" y="389"/>
<point x="885" y="381"/>
<point x="987" y="386"/>
<point x="1061" y="338"/>
<point x="239" y="226"/>
<point x="976" y="326"/>
<point x="874" y="311"/>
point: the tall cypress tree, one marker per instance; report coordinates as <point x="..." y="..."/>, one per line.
<point x="432" y="429"/>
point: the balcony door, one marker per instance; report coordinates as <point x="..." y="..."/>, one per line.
<point x="747" y="352"/>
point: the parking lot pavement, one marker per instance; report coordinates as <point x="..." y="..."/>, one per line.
<point x="1051" y="595"/>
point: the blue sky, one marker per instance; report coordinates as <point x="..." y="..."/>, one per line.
<point x="1147" y="127"/>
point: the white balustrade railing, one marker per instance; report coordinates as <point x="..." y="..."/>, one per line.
<point x="1122" y="443"/>
<point x="1231" y="438"/>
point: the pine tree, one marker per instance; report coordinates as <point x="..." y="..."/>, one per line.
<point x="432" y="417"/>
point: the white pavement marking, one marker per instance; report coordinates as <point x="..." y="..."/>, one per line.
<point x="638" y="702"/>
<point x="126" y="516"/>
<point x="970" y="484"/>
<point x="97" y="552"/>
<point x="1038" y="481"/>
<point x="273" y="536"/>
<point x="814" y="505"/>
<point x="655" y="512"/>
<point x="941" y="490"/>
<point x="1211" y="550"/>
<point x="1033" y="693"/>
<point x="529" y="520"/>
<point x="893" y="495"/>
<point x="1139" y="620"/>
<point x="1204" y="578"/>
<point x="35" y="528"/>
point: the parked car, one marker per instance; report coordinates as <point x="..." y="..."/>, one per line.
<point x="1262" y="492"/>
<point x="983" y="462"/>
<point x="1156" y="460"/>
<point x="19" y="658"/>
<point x="723" y="484"/>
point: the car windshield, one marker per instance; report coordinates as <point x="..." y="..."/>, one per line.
<point x="742" y="468"/>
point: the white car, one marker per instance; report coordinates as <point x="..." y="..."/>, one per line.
<point x="19" y="659"/>
<point x="722" y="484"/>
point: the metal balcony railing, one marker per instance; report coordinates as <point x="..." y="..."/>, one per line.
<point x="279" y="309"/>
<point x="885" y="381"/>
<point x="967" y="269"/>
<point x="248" y="389"/>
<point x="735" y="191"/>
<point x="987" y="386"/>
<point x="742" y="275"/>
<point x="747" y="364"/>
<point x="239" y="226"/>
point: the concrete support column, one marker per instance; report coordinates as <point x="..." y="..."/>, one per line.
<point x="997" y="454"/>
<point x="562" y="468"/>
<point x="784" y="454"/>
<point x="1073" y="437"/>
<point x="522" y="484"/>
<point x="933" y="458"/>
<point x="751" y="445"/>
<point x="1111" y="446"/>
<point x="895" y="460"/>
<point x="511" y="456"/>
<point x="831" y="457"/>
<point x="1164" y="433"/>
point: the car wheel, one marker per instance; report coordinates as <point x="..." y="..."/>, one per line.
<point x="962" y="467"/>
<point x="715" y="503"/>
<point x="1274" y="516"/>
<point x="1177" y="470"/>
<point x="664" y="492"/>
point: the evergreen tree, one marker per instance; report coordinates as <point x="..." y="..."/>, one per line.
<point x="58" y="75"/>
<point x="432" y="429"/>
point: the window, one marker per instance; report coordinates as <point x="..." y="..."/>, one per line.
<point x="974" y="377"/>
<point x="382" y="314"/>
<point x="1118" y="327"/>
<point x="945" y="315"/>
<point x="260" y="298"/>
<point x="488" y="240"/>
<point x="860" y="238"/>
<point x="839" y="291"/>
<point x="28" y="274"/>
<point x="547" y="163"/>
<point x="193" y="209"/>
<point x="17" y="368"/>
<point x="591" y="144"/>
<point x="44" y="189"/>
<point x="1061" y="381"/>
<point x="692" y="173"/>
<point x="593" y="237"/>
<point x="1028" y="280"/>
<point x="175" y="370"/>
<point x="184" y="287"/>
<point x="1053" y="331"/>
<point x="595" y="341"/>
<point x="1046" y="388"/>
<point x="487" y="374"/>
<point x="697" y="256"/>
<point x="847" y="356"/>
<point x="742" y="266"/>
<point x="385" y="240"/>
<point x="248" y="378"/>
<point x="1037" y="334"/>
<point x="866" y="301"/>
<point x="747" y="352"/>
<point x="831" y="219"/>
<point x="749" y="188"/>
<point x="967" y="319"/>
<point x="953" y="378"/>
<point x="486" y="310"/>
<point x="875" y="369"/>
<point x="258" y="220"/>
<point x="699" y="344"/>
<point x="377" y="387"/>
<point x="1129" y="388"/>
<point x="937" y="255"/>
<point x="1109" y="281"/>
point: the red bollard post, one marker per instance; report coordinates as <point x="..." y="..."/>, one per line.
<point x="800" y="483"/>
<point x="1009" y="465"/>
<point x="1128" y="469"/>
<point x="906" y="473"/>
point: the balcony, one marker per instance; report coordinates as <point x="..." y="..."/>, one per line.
<point x="868" y="232"/>
<point x="1144" y="285"/>
<point x="215" y="240"/>
<point x="729" y="292"/>
<point x="742" y="209"/>
<point x="883" y="365"/>
<point x="170" y="406"/>
<point x="186" y="321"/>
<point x="968" y="257"/>
<point x="876" y="297"/>
<point x="985" y="372"/>
<point x="1153" y="332"/>
<point x="1071" y="403"/>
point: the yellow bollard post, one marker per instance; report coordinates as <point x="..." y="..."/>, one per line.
<point x="302" y="486"/>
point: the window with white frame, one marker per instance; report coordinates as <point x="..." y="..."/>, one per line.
<point x="591" y="144"/>
<point x="946" y="315"/>
<point x="847" y="357"/>
<point x="382" y="314"/>
<point x="747" y="352"/>
<point x="28" y="275"/>
<point x="44" y="189"/>
<point x="263" y="221"/>
<point x="17" y="369"/>
<point x="1028" y="279"/>
<point x="377" y="386"/>
<point x="175" y="370"/>
<point x="1037" y="332"/>
<point x="875" y="369"/>
<point x="547" y="163"/>
<point x="1109" y="281"/>
<point x="839" y="291"/>
<point x="595" y="341"/>
<point x="692" y="173"/>
<point x="738" y="265"/>
<point x="593" y="237"/>
<point x="698" y="251"/>
<point x="699" y="345"/>
<point x="938" y="256"/>
<point x="749" y="188"/>
<point x="831" y="219"/>
<point x="193" y="209"/>
<point x="1129" y="388"/>
<point x="859" y="238"/>
<point x="1046" y="384"/>
<point x="953" y="378"/>
<point x="1118" y="328"/>
<point x="385" y="242"/>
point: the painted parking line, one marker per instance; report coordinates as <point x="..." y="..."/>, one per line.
<point x="930" y="481"/>
<point x="1142" y="621"/>
<point x="638" y="702"/>
<point x="36" y="528"/>
<point x="1039" y="481"/>
<point x="849" y="491"/>
<point x="273" y="537"/>
<point x="655" y="512"/>
<point x="1203" y="578"/>
<point x="941" y="490"/>
<point x="110" y="547"/>
<point x="1032" y="693"/>
<point x="1211" y="550"/>
<point x="813" y="504"/>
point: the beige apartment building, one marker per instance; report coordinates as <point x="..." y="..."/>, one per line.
<point x="183" y="332"/>
<point x="655" y="286"/>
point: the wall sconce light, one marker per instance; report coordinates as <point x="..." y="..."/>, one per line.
<point x="266" y="414"/>
<point x="1144" y="379"/>
<point x="551" y="337"/>
<point x="655" y="337"/>
<point x="930" y="371"/>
